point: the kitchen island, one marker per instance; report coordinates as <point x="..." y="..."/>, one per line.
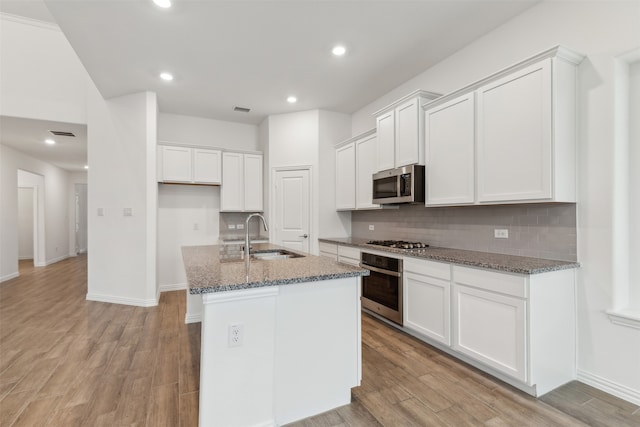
<point x="279" y="342"/>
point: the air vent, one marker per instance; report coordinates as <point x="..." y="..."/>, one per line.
<point x="241" y="109"/>
<point x="61" y="133"/>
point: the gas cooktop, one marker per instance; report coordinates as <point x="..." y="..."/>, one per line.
<point x="398" y="244"/>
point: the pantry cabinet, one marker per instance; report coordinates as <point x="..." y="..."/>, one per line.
<point x="179" y="164"/>
<point x="366" y="159"/>
<point x="426" y="298"/>
<point x="524" y="134"/>
<point x="450" y="148"/>
<point x="346" y="177"/>
<point x="400" y="129"/>
<point x="241" y="189"/>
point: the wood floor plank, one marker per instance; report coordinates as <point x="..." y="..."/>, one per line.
<point x="189" y="409"/>
<point x="164" y="406"/>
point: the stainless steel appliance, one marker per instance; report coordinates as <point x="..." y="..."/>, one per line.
<point x="382" y="289"/>
<point x="398" y="244"/>
<point x="401" y="185"/>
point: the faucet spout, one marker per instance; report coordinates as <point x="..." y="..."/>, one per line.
<point x="247" y="240"/>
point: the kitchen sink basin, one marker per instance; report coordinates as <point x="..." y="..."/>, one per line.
<point x="274" y="254"/>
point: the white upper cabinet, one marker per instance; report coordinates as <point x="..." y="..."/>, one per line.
<point x="400" y="129"/>
<point x="241" y="189"/>
<point x="524" y="135"/>
<point x="450" y="148"/>
<point x="188" y="165"/>
<point x="366" y="160"/>
<point x="346" y="177"/>
<point x="356" y="162"/>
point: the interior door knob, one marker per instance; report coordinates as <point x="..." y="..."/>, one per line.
<point x="304" y="235"/>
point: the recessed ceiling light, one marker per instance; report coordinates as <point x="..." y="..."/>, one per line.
<point x="49" y="141"/>
<point x="86" y="166"/>
<point x="166" y="76"/>
<point x="292" y="100"/>
<point x="339" y="50"/>
<point x="163" y="3"/>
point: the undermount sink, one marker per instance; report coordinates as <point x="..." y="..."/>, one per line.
<point x="275" y="254"/>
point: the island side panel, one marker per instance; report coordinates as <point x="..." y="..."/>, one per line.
<point x="317" y="359"/>
<point x="237" y="383"/>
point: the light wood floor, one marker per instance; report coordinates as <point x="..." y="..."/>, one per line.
<point x="65" y="361"/>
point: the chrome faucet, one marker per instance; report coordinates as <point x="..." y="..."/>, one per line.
<point x="247" y="241"/>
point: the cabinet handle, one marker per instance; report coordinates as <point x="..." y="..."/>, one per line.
<point x="304" y="235"/>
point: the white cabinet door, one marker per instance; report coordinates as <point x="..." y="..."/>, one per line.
<point x="427" y="306"/>
<point x="232" y="189"/>
<point x="449" y="136"/>
<point x="329" y="250"/>
<point x="176" y="164"/>
<point x="346" y="177"/>
<point x="385" y="124"/>
<point x="349" y="255"/>
<point x="491" y="328"/>
<point x="207" y="166"/>
<point x="253" y="182"/>
<point x="408" y="143"/>
<point x="514" y="136"/>
<point x="366" y="161"/>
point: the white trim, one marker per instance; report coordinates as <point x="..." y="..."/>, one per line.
<point x="152" y="302"/>
<point x="29" y="21"/>
<point x="206" y="147"/>
<point x="269" y="423"/>
<point x="173" y="287"/>
<point x="356" y="137"/>
<point x="416" y="93"/>
<point x="192" y="318"/>
<point x="22" y="258"/>
<point x="618" y="390"/>
<point x="9" y="276"/>
<point x="54" y="260"/>
<point x="240" y="295"/>
<point x="630" y="318"/>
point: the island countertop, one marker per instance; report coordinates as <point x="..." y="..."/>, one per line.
<point x="219" y="268"/>
<point x="493" y="261"/>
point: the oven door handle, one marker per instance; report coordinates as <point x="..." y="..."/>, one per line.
<point x="379" y="270"/>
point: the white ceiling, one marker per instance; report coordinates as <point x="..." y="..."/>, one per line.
<point x="256" y="53"/>
<point x="27" y="136"/>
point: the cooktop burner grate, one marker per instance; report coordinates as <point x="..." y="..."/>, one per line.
<point x="398" y="244"/>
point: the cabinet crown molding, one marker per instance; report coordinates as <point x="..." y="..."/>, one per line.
<point x="559" y="51"/>
<point x="416" y="93"/>
<point x="205" y="147"/>
<point x="356" y="137"/>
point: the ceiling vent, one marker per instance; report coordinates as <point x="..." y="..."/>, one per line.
<point x="241" y="109"/>
<point x="61" y="133"/>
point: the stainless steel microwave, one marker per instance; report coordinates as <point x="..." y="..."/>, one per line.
<point x="400" y="185"/>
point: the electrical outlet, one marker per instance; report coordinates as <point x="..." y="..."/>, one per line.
<point x="196" y="226"/>
<point x="128" y="211"/>
<point x="100" y="211"/>
<point x="501" y="233"/>
<point x="240" y="226"/>
<point x="372" y="227"/>
<point x="232" y="226"/>
<point x="235" y="335"/>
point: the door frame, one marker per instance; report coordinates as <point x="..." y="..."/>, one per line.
<point x="272" y="202"/>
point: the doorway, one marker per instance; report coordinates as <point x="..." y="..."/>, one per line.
<point x="34" y="185"/>
<point x="26" y="224"/>
<point x="292" y="208"/>
<point x="81" y="218"/>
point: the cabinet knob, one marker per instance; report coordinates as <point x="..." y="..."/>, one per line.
<point x="304" y="235"/>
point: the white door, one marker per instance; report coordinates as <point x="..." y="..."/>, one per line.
<point x="292" y="209"/>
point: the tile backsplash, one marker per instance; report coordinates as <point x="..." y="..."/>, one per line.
<point x="536" y="230"/>
<point x="234" y="218"/>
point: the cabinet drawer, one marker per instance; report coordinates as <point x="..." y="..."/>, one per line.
<point x="328" y="248"/>
<point x="349" y="252"/>
<point x="504" y="283"/>
<point x="435" y="269"/>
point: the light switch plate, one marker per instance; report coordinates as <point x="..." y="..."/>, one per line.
<point x="240" y="226"/>
<point x="501" y="233"/>
<point x="232" y="226"/>
<point x="372" y="227"/>
<point x="127" y="211"/>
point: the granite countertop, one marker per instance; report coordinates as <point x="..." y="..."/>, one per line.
<point x="219" y="268"/>
<point x="500" y="262"/>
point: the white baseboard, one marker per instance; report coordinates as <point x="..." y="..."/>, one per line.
<point x="9" y="276"/>
<point x="54" y="260"/>
<point x="152" y="302"/>
<point x="173" y="287"/>
<point x="193" y="318"/>
<point x="618" y="390"/>
<point x="22" y="258"/>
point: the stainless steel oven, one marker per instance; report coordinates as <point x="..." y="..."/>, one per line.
<point x="382" y="289"/>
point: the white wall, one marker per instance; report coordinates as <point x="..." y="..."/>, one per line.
<point x="608" y="354"/>
<point x="187" y="215"/>
<point x="42" y="78"/>
<point x="207" y="132"/>
<point x="53" y="194"/>
<point x="122" y="174"/>
<point x="25" y="223"/>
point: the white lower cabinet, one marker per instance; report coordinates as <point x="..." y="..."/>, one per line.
<point x="490" y="327"/>
<point x="329" y="250"/>
<point x="349" y="255"/>
<point x="426" y="298"/>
